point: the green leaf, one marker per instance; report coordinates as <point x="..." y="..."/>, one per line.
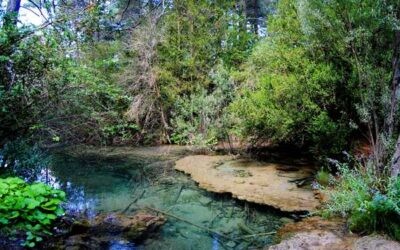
<point x="31" y="203"/>
<point x="13" y="215"/>
<point x="4" y="220"/>
<point x="29" y="208"/>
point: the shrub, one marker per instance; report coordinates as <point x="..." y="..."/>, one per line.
<point x="323" y="177"/>
<point x="370" y="202"/>
<point x="125" y="132"/>
<point x="287" y="93"/>
<point x="28" y="208"/>
<point x="202" y="118"/>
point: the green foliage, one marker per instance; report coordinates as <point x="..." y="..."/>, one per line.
<point x="123" y="131"/>
<point x="16" y="93"/>
<point x="29" y="208"/>
<point x="93" y="99"/>
<point x="287" y="92"/>
<point x="47" y="94"/>
<point x="322" y="72"/>
<point x="371" y="203"/>
<point x="323" y="177"/>
<point x="198" y="38"/>
<point x="201" y="118"/>
<point x="197" y="35"/>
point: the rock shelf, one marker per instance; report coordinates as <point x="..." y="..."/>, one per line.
<point x="258" y="182"/>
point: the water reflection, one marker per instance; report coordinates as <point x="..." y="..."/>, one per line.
<point x="78" y="203"/>
<point x="121" y="245"/>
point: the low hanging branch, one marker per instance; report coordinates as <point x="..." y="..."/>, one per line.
<point x="70" y="17"/>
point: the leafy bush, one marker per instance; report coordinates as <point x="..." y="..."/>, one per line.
<point x="288" y="99"/>
<point x="194" y="119"/>
<point x="123" y="131"/>
<point x="201" y="118"/>
<point x="369" y="201"/>
<point x="323" y="177"/>
<point x="28" y="208"/>
<point x="288" y="92"/>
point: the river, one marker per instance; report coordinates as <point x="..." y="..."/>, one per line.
<point x="116" y="179"/>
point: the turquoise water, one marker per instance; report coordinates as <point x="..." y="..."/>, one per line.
<point x="128" y="179"/>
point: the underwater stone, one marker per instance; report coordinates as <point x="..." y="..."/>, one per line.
<point x="231" y="244"/>
<point x="102" y="229"/>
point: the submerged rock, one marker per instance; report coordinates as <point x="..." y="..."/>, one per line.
<point x="262" y="183"/>
<point x="106" y="230"/>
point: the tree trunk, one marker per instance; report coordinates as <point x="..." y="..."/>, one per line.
<point x="395" y="86"/>
<point x="12" y="11"/>
<point x="13" y="6"/>
<point x="395" y="164"/>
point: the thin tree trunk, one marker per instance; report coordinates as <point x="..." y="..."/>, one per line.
<point x="395" y="165"/>
<point x="395" y="86"/>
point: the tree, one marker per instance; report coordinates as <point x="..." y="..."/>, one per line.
<point x="174" y="57"/>
<point x="147" y="108"/>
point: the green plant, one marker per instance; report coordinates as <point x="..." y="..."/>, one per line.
<point x="201" y="118"/>
<point x="124" y="131"/>
<point x="287" y="91"/>
<point x="29" y="208"/>
<point x="323" y="177"/>
<point x="369" y="202"/>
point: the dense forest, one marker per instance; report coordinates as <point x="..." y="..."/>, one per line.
<point x="322" y="77"/>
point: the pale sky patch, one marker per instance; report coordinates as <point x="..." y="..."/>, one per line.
<point x="27" y="17"/>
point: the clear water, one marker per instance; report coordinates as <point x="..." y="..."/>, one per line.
<point x="128" y="179"/>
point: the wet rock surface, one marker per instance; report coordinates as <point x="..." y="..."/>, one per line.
<point x="316" y="233"/>
<point x="258" y="182"/>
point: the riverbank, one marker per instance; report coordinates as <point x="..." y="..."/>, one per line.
<point x="316" y="233"/>
<point x="284" y="187"/>
<point x="214" y="207"/>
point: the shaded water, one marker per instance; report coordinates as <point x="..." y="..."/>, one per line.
<point x="126" y="179"/>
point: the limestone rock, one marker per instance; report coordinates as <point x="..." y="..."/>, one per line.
<point x="316" y="233"/>
<point x="314" y="240"/>
<point x="376" y="242"/>
<point x="253" y="181"/>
